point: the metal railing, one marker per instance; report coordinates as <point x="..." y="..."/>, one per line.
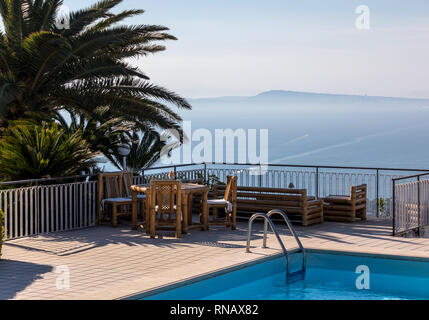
<point x="43" y="209"/>
<point x="57" y="204"/>
<point x="410" y="204"/>
<point x="320" y="181"/>
<point x="46" y="181"/>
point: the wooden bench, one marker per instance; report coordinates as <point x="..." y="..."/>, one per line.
<point x="347" y="208"/>
<point x="298" y="207"/>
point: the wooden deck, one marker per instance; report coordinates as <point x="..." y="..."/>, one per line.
<point x="107" y="263"/>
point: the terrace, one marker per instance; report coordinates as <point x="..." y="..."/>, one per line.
<point x="52" y="229"/>
<point x="75" y="96"/>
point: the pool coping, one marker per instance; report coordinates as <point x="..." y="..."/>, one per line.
<point x="209" y="275"/>
<point x="369" y="255"/>
<point x="199" y="278"/>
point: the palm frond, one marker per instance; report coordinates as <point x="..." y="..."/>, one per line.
<point x="113" y="19"/>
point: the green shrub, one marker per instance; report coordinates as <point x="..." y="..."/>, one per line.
<point x="1" y="229"/>
<point x="29" y="150"/>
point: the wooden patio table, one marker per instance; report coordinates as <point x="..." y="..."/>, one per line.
<point x="188" y="190"/>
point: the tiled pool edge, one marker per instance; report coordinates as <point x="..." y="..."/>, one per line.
<point x="222" y="271"/>
<point x="369" y="254"/>
<point x="199" y="278"/>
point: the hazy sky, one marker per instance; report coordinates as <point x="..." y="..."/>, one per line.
<point x="244" y="47"/>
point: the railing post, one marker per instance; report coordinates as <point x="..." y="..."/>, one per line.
<point x="75" y="209"/>
<point x="317" y="183"/>
<point x="418" y="206"/>
<point x="394" y="206"/>
<point x="36" y="209"/>
<point x="377" y="182"/>
<point x="205" y="172"/>
<point x="260" y="176"/>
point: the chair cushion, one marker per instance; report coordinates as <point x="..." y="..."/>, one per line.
<point x="218" y="202"/>
<point x="221" y="202"/>
<point x="337" y="198"/>
<point x="115" y="200"/>
<point x="140" y="196"/>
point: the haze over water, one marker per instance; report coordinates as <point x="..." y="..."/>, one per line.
<point x="321" y="129"/>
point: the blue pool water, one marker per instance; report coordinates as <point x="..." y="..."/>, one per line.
<point x="329" y="277"/>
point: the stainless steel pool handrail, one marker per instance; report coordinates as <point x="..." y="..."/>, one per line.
<point x="273" y="228"/>
<point x="291" y="229"/>
<point x="267" y="220"/>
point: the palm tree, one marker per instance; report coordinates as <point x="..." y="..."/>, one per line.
<point x="44" y="69"/>
<point x="30" y="151"/>
<point x="144" y="152"/>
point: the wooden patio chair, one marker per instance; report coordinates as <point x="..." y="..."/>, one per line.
<point x="111" y="197"/>
<point x="165" y="209"/>
<point x="128" y="181"/>
<point x="195" y="200"/>
<point x="347" y="208"/>
<point x="228" y="203"/>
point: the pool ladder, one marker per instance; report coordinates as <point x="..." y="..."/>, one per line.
<point x="290" y="276"/>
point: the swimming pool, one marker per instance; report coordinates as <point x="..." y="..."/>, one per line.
<point x="329" y="277"/>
